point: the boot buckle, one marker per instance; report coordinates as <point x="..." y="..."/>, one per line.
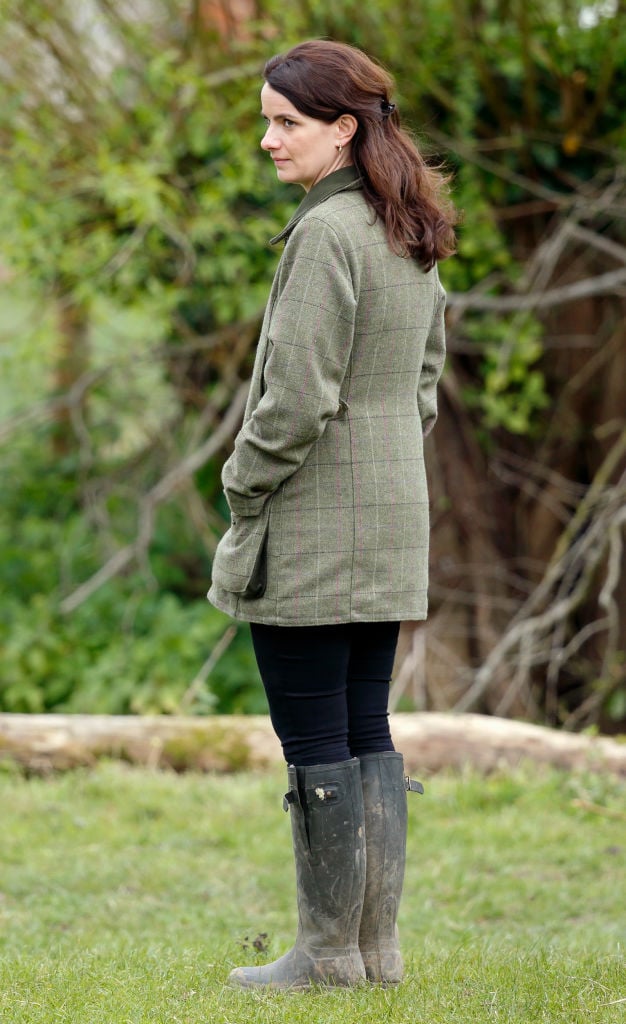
<point x="328" y="794"/>
<point x="290" y="798"/>
<point x="412" y="786"/>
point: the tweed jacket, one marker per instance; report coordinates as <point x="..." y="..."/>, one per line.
<point x="326" y="483"/>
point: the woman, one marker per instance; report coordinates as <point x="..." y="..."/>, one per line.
<point x="328" y="547"/>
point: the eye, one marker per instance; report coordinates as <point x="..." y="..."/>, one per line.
<point x="288" y="123"/>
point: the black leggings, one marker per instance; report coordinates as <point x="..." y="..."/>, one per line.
<point x="328" y="687"/>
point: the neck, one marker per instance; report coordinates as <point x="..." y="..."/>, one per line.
<point x="343" y="159"/>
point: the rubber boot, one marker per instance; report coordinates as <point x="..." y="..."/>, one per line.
<point x="384" y="798"/>
<point x="326" y="805"/>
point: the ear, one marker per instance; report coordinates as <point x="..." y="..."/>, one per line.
<point x="346" y="125"/>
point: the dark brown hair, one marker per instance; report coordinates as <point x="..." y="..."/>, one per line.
<point x="325" y="79"/>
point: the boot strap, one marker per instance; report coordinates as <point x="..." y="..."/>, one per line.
<point x="412" y="786"/>
<point x="290" y="798"/>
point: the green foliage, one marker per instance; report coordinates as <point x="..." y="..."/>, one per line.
<point x="153" y="192"/>
<point x="512" y="390"/>
<point x="135" y="647"/>
<point x="134" y="195"/>
<point x="162" y="189"/>
<point x="119" y="654"/>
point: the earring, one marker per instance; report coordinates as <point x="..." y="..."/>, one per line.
<point x="339" y="146"/>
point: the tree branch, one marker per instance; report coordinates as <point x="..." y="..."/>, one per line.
<point x="597" y="285"/>
<point x="158" y="494"/>
<point x="593" y="528"/>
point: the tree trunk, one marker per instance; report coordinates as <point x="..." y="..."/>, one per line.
<point x="501" y="514"/>
<point x="43" y="743"/>
<point x="72" y="362"/>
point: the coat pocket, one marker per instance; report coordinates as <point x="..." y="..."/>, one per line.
<point x="240" y="563"/>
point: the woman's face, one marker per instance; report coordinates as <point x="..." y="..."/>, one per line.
<point x="304" y="149"/>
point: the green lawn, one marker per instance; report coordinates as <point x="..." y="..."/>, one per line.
<point x="127" y="895"/>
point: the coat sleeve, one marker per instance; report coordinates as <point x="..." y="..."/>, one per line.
<point x="310" y="336"/>
<point x="432" y="366"/>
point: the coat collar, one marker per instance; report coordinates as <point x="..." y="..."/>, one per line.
<point x="345" y="179"/>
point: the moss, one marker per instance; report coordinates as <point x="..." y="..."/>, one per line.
<point x="211" y="748"/>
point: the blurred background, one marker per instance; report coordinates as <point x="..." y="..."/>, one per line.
<point x="135" y="212"/>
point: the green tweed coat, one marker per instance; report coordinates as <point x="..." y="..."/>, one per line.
<point x="326" y="484"/>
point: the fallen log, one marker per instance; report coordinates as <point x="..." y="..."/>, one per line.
<point x="430" y="741"/>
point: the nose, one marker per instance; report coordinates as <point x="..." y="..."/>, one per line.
<point x="268" y="142"/>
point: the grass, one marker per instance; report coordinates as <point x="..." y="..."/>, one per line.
<point x="126" y="896"/>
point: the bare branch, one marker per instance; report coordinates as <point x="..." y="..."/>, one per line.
<point x="531" y="628"/>
<point x="161" y="492"/>
<point x="597" y="241"/>
<point x="606" y="598"/>
<point x="557" y="199"/>
<point x="41" y="412"/>
<point x="594" y="527"/>
<point x="195" y="687"/>
<point x="601" y="284"/>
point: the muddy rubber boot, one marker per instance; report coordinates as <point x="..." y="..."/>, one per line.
<point x="326" y="805"/>
<point x="384" y="799"/>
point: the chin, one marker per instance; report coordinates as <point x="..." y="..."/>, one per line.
<point x="290" y="178"/>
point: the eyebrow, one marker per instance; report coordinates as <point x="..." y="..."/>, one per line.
<point x="291" y="117"/>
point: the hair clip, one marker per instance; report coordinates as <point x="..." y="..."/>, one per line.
<point x="386" y="108"/>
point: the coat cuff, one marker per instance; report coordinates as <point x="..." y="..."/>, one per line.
<point x="428" y="424"/>
<point x="240" y="506"/>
